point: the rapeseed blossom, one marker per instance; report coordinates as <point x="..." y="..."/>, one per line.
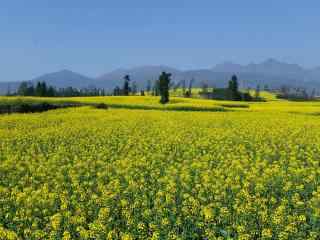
<point x="132" y="174"/>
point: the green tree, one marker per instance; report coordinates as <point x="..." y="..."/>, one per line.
<point x="26" y="89"/>
<point x="134" y="88"/>
<point x="190" y="87"/>
<point x="183" y="86"/>
<point x="204" y="87"/>
<point x="8" y="91"/>
<point x="257" y="92"/>
<point x="31" y="90"/>
<point x="164" y="81"/>
<point x="38" y="89"/>
<point x="116" y="91"/>
<point x="126" y="85"/>
<point x="148" y="88"/>
<point x="41" y="89"/>
<point x="156" y="88"/>
<point x="234" y="88"/>
<point x="51" y="92"/>
<point x="23" y="89"/>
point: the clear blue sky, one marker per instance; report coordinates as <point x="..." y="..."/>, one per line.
<point x="97" y="36"/>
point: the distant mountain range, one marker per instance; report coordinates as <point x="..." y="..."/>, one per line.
<point x="270" y="72"/>
<point x="61" y="79"/>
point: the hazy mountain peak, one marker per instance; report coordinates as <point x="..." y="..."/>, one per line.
<point x="64" y="78"/>
<point x="67" y="71"/>
<point x="271" y="61"/>
<point x="228" y="66"/>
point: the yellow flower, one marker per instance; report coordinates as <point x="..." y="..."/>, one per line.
<point x="126" y="236"/>
<point x="266" y="233"/>
<point x="66" y="235"/>
<point x="208" y="213"/>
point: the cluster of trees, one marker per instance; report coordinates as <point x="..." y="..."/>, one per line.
<point x="298" y="93"/>
<point x="237" y="95"/>
<point x="129" y="88"/>
<point x="186" y="91"/>
<point x="232" y="92"/>
<point x="41" y="89"/>
<point x="161" y="87"/>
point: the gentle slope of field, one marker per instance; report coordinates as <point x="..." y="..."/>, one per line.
<point x="182" y="104"/>
<point x="82" y="173"/>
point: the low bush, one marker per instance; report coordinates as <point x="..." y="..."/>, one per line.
<point x="101" y="106"/>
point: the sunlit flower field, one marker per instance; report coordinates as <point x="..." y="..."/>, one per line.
<point x="232" y="172"/>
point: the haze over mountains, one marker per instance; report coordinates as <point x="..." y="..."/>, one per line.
<point x="270" y="72"/>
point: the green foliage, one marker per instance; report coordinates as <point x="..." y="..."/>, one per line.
<point x="257" y="92"/>
<point x="117" y="91"/>
<point x="26" y="89"/>
<point x="245" y="96"/>
<point x="33" y="107"/>
<point x="156" y="88"/>
<point x="42" y="90"/>
<point x="101" y="106"/>
<point x="164" y="81"/>
<point x="126" y="85"/>
<point x="234" y="88"/>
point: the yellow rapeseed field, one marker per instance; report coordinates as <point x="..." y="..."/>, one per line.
<point x="232" y="172"/>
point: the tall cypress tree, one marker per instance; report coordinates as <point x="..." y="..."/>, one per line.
<point x="164" y="81"/>
<point x="126" y="85"/>
<point x="234" y="88"/>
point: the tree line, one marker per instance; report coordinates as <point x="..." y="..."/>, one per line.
<point x="231" y="92"/>
<point x="161" y="87"/>
<point x="41" y="89"/>
<point x="296" y="93"/>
